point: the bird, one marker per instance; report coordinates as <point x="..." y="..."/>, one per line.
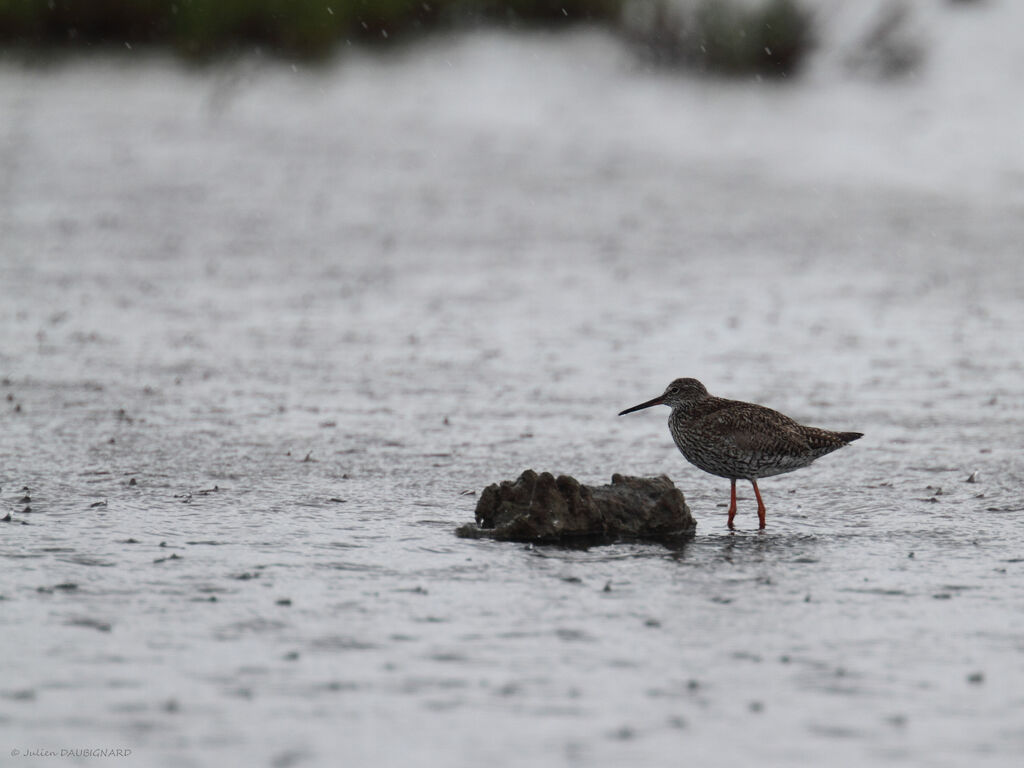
<point x="738" y="440"/>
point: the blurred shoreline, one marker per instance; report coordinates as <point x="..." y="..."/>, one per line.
<point x="877" y="40"/>
<point x="768" y="37"/>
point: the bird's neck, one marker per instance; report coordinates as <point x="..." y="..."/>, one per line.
<point x="683" y="413"/>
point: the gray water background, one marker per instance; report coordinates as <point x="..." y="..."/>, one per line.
<point x="312" y="313"/>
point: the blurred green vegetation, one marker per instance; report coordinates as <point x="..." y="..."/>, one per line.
<point x="772" y="37"/>
<point x="731" y="36"/>
<point x="301" y="28"/>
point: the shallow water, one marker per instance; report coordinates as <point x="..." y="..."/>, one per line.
<point x="312" y="314"/>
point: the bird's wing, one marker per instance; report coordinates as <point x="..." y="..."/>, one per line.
<point x="754" y="428"/>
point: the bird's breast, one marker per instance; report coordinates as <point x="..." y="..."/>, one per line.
<point x="709" y="452"/>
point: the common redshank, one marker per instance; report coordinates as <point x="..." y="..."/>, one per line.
<point x="740" y="441"/>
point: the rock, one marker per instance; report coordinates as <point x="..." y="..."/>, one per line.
<point x="543" y="509"/>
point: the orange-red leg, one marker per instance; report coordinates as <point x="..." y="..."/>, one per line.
<point x="732" y="504"/>
<point x="760" y="503"/>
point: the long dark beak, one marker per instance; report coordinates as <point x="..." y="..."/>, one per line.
<point x="659" y="400"/>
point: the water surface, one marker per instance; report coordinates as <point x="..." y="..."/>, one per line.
<point x="267" y="333"/>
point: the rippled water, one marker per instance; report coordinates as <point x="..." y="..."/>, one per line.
<point x="266" y="334"/>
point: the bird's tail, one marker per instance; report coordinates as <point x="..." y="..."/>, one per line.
<point x="849" y="437"/>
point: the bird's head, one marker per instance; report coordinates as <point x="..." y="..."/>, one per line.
<point x="679" y="393"/>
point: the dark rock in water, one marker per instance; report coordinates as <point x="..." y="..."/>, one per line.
<point x="543" y="509"/>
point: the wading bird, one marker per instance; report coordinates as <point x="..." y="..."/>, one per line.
<point x="740" y="441"/>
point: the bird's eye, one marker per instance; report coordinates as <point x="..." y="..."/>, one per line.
<point x="673" y="390"/>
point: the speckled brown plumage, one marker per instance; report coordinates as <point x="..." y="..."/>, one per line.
<point x="740" y="441"/>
